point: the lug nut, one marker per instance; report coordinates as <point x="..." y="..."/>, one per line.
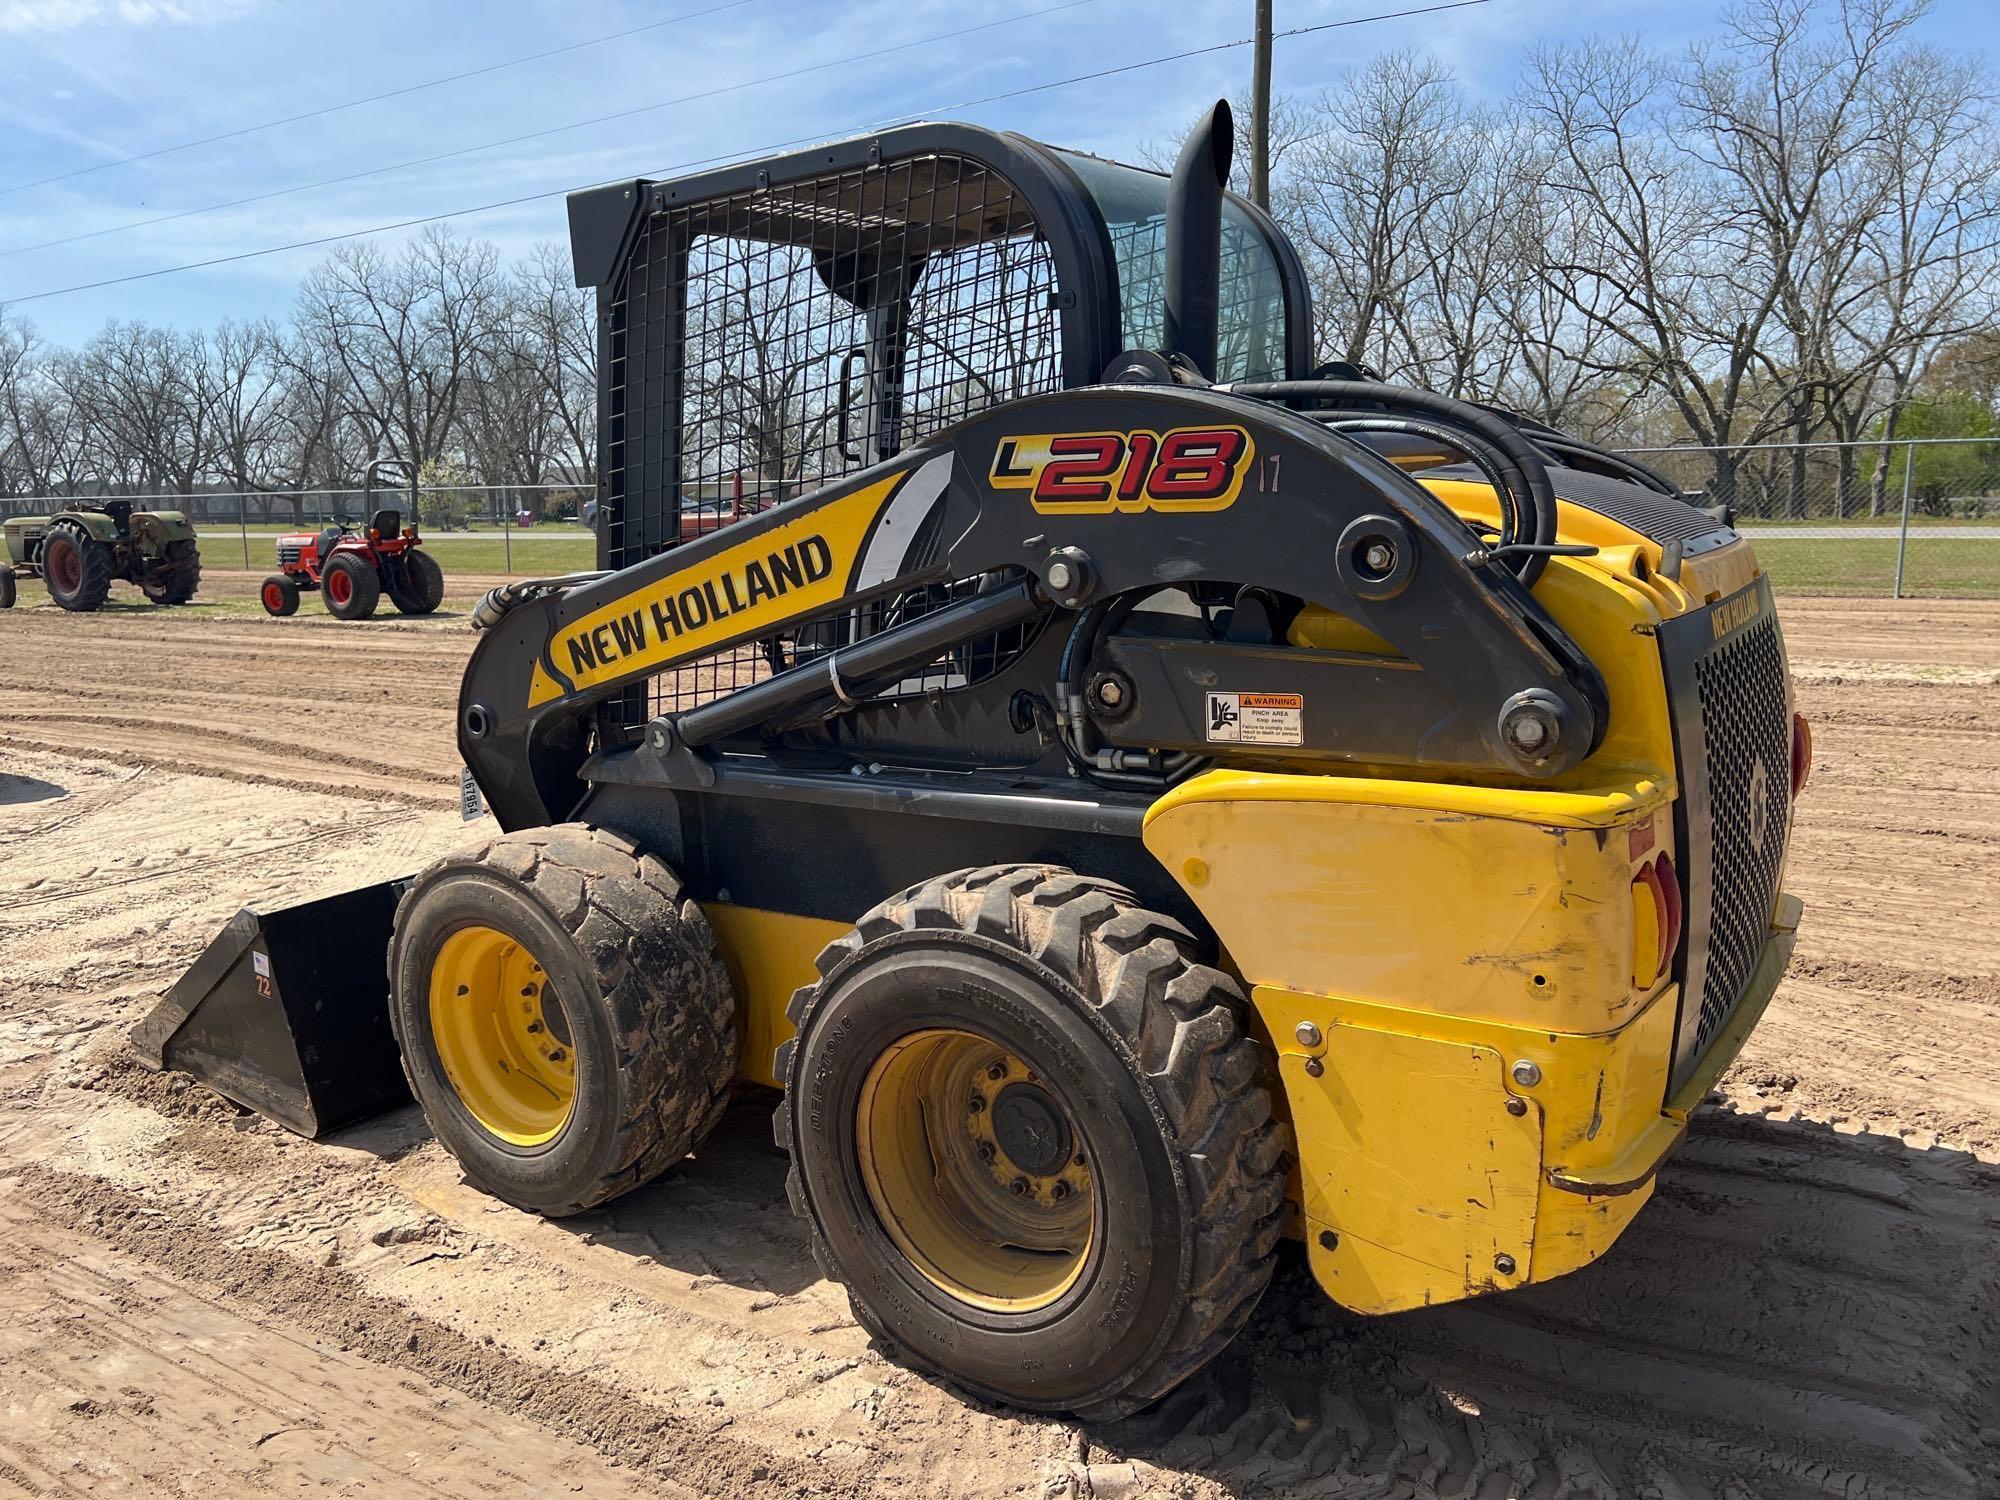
<point x="557" y="1055"/>
<point x="1060" y="1191"/>
<point x="997" y="1072"/>
<point x="534" y="1028"/>
<point x="986" y="1151"/>
<point x="1019" y="1187"/>
<point x="1079" y="1158"/>
<point x="976" y="1103"/>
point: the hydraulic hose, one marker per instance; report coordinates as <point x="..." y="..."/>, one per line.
<point x="1526" y="474"/>
<point x="1483" y="457"/>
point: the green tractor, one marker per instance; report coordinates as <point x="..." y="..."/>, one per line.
<point x="78" y="553"/>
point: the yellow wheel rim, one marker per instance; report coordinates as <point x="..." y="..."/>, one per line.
<point x="503" y="1036"/>
<point x="975" y="1171"/>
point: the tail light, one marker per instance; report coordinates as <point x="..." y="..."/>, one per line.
<point x="1656" y="920"/>
<point x="1801" y="753"/>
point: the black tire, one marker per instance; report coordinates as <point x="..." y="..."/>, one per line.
<point x="8" y="588"/>
<point x="422" y="590"/>
<point x="180" y="575"/>
<point x="1146" y="1050"/>
<point x="83" y="585"/>
<point x="648" y="1006"/>
<point x="279" y="595"/>
<point x="351" y="587"/>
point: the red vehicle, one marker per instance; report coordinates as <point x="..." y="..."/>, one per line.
<point x="355" y="569"/>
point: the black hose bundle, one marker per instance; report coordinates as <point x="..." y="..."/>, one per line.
<point x="1496" y="446"/>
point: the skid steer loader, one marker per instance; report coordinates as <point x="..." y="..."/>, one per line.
<point x="1138" y="795"/>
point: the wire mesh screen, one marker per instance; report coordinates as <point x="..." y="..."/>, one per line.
<point x="768" y="343"/>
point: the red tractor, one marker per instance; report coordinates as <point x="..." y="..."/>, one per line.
<point x="353" y="569"/>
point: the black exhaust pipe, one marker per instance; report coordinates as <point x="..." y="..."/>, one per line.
<point x="1194" y="239"/>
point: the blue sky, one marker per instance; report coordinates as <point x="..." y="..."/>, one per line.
<point x="84" y="82"/>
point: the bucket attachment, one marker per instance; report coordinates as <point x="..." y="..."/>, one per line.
<point x="287" y="1012"/>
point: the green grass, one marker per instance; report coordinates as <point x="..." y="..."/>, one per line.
<point x="553" y="551"/>
<point x="1962" y="570"/>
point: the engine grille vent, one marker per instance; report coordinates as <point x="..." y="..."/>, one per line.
<point x="1746" y="740"/>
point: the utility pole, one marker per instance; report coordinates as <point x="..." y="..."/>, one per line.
<point x="1260" y="111"/>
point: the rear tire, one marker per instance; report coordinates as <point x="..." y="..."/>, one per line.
<point x="351" y="587"/>
<point x="1132" y="1073"/>
<point x="76" y="567"/>
<point x="558" y="1108"/>
<point x="280" y="595"/>
<point x="423" y="581"/>
<point x="176" y="581"/>
<point x="7" y="586"/>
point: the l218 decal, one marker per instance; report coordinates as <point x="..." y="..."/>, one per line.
<point x="1093" y="473"/>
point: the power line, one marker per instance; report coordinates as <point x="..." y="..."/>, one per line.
<point x="397" y="93"/>
<point x="746" y="155"/>
<point x="536" y="135"/>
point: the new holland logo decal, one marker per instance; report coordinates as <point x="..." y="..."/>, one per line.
<point x="1093" y="473"/>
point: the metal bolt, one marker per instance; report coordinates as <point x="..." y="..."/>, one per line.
<point x="1517" y="1107"/>
<point x="976" y="1103"/>
<point x="1529" y="732"/>
<point x="1059" y="1192"/>
<point x="1328" y="1239"/>
<point x="1314" y="1067"/>
<point x="1307" y="1033"/>
<point x="1526" y="1073"/>
<point x="1060" y="576"/>
<point x="1379" y="556"/>
<point x="1111" y="692"/>
<point x="1019" y="1187"/>
<point x="1504" y="1264"/>
<point x="997" y="1072"/>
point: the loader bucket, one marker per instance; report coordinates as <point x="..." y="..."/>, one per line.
<point x="287" y="1012"/>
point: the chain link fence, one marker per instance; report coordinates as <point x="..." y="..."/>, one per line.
<point x="1914" y="518"/>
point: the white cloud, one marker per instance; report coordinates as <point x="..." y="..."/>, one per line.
<point x="67" y="15"/>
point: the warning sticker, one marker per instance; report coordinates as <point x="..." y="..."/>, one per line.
<point x="1257" y="718"/>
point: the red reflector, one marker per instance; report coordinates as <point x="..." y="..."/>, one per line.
<point x="1670" y="887"/>
<point x="1801" y="753"/>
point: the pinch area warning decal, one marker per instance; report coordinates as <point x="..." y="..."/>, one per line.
<point x="1256" y="718"/>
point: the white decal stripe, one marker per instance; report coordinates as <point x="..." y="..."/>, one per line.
<point x="898" y="527"/>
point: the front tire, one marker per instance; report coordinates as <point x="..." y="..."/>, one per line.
<point x="564" y="1017"/>
<point x="1132" y="1083"/>
<point x="351" y="587"/>
<point x="7" y="586"/>
<point x="177" y="578"/>
<point x="280" y="595"/>
<point x="423" y="584"/>
<point x="76" y="567"/>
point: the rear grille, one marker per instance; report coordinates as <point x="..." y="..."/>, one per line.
<point x="1746" y="743"/>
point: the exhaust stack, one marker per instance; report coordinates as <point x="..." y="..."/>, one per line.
<point x="1194" y="238"/>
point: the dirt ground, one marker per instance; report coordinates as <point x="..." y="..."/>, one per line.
<point x="194" y="1302"/>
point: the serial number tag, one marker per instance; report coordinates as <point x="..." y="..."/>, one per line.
<point x="1257" y="718"/>
<point x="470" y="804"/>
